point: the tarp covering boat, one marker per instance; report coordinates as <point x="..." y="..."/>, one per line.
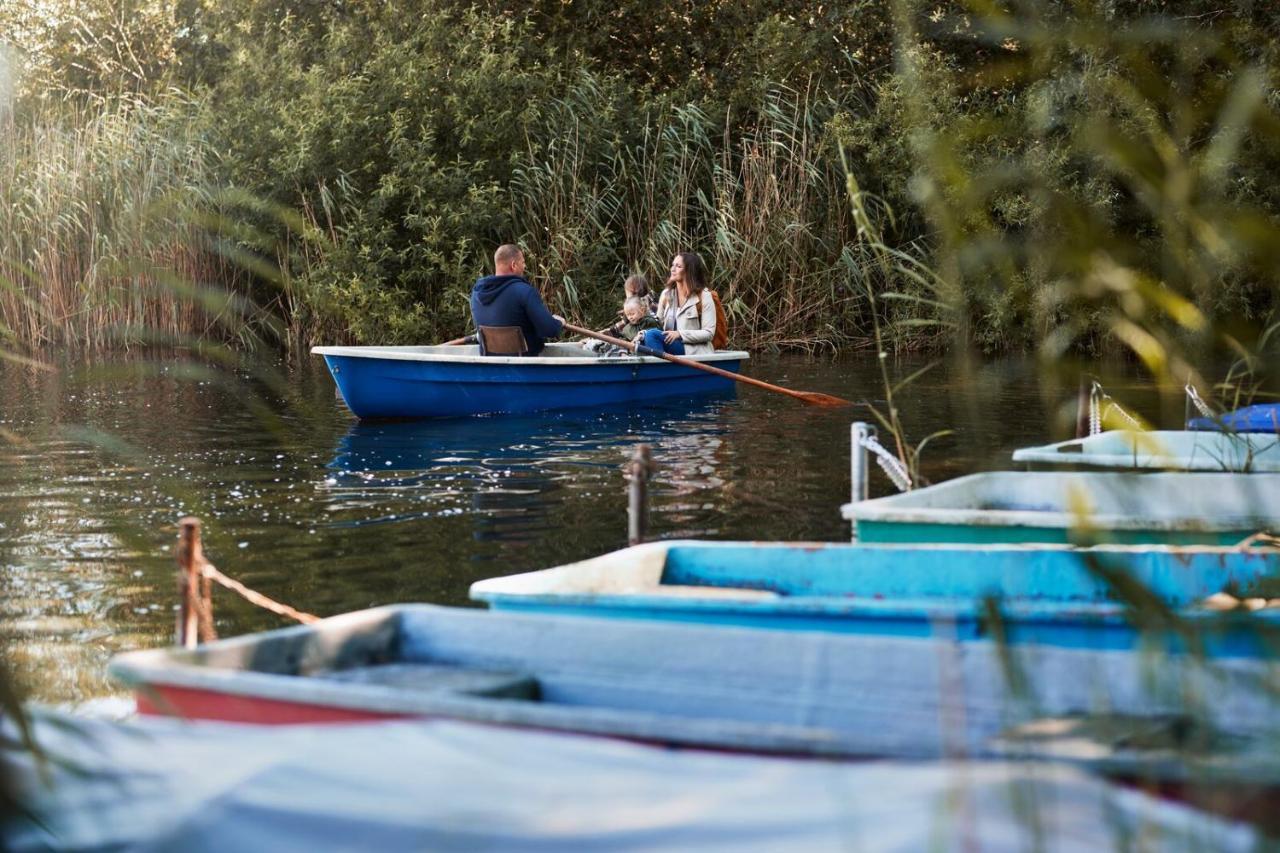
<point x="1264" y="417"/>
<point x="163" y="785"/>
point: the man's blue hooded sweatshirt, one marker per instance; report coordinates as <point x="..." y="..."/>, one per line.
<point x="509" y="300"/>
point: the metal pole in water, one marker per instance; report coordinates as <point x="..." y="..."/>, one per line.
<point x="189" y="559"/>
<point x="859" y="479"/>
<point x="1082" y="409"/>
<point x="638" y="470"/>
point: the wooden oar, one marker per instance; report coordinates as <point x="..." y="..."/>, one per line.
<point x="811" y="397"/>
<point x="468" y="339"/>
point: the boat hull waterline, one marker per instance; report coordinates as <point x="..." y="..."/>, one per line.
<point x="444" y="382"/>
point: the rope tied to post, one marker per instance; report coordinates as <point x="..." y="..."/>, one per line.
<point x="890" y="464"/>
<point x="210" y="572"/>
<point x="196" y="576"/>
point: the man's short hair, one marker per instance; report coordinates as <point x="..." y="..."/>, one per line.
<point x="506" y="255"/>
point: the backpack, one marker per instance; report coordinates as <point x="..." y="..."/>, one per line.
<point x="720" y="339"/>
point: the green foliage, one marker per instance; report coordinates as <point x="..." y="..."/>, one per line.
<point x="1007" y="153"/>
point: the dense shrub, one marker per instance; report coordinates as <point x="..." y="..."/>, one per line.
<point x="1008" y="152"/>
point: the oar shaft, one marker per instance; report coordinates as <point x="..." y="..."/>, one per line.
<point x="737" y="377"/>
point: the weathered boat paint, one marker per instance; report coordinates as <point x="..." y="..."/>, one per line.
<point x="686" y="685"/>
<point x="1174" y="450"/>
<point x="1051" y="595"/>
<point x="1075" y="506"/>
<point x="454" y="381"/>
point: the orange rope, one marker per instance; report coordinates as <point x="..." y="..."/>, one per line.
<point x="207" y="569"/>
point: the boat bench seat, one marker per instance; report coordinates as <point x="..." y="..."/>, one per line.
<point x="440" y="678"/>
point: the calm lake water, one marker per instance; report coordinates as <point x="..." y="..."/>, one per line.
<point x="310" y="507"/>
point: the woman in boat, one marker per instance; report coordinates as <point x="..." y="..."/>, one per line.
<point x="685" y="309"/>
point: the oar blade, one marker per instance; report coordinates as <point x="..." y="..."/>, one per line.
<point x="813" y="398"/>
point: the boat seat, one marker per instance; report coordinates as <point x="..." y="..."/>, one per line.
<point x="502" y="340"/>
<point x="440" y="678"/>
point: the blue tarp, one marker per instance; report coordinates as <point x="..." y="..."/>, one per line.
<point x="167" y="785"/>
<point x="1264" y="417"/>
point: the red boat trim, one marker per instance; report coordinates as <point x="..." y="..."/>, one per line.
<point x="194" y="704"/>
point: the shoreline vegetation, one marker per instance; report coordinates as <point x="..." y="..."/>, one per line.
<point x="1065" y="178"/>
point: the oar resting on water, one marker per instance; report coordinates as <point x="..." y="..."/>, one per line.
<point x="811" y="397"/>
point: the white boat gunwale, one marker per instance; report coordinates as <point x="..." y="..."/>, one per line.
<point x="1161" y="450"/>
<point x="891" y="508"/>
<point x="471" y="355"/>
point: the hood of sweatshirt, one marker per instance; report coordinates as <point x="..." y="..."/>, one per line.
<point x="487" y="289"/>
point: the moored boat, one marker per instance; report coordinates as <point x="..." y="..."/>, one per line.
<point x="689" y="685"/>
<point x="454" y="381"/>
<point x="1174" y="450"/>
<point x="1170" y="508"/>
<point x="1050" y="595"/>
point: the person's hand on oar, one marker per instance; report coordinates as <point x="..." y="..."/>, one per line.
<point x="811" y="397"/>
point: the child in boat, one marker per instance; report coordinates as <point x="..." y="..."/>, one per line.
<point x="638" y="286"/>
<point x="636" y="319"/>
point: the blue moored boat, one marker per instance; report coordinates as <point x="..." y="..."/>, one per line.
<point x="1050" y="595"/>
<point x="454" y="381"/>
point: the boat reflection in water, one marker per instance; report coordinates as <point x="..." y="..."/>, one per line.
<point x="518" y="475"/>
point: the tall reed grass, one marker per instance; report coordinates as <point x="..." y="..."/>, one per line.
<point x="765" y="207"/>
<point x="97" y="232"/>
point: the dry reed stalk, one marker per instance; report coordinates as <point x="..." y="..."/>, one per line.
<point x="92" y="200"/>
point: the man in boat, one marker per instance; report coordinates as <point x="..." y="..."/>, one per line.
<point x="507" y="299"/>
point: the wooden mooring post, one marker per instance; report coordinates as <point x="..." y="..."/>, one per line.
<point x="189" y="557"/>
<point x="638" y="471"/>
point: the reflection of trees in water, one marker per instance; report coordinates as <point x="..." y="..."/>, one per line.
<point x="521" y="479"/>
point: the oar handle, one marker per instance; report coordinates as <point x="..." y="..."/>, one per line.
<point x="467" y="339"/>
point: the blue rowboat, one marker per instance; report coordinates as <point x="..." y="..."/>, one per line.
<point x="685" y="685"/>
<point x="1076" y="506"/>
<point x="1055" y="596"/>
<point x="454" y="381"/>
<point x="1174" y="450"/>
<point x="1264" y="417"/>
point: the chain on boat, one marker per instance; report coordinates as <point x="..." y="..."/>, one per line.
<point x="1098" y="399"/>
<point x="890" y="464"/>
<point x="1201" y="406"/>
